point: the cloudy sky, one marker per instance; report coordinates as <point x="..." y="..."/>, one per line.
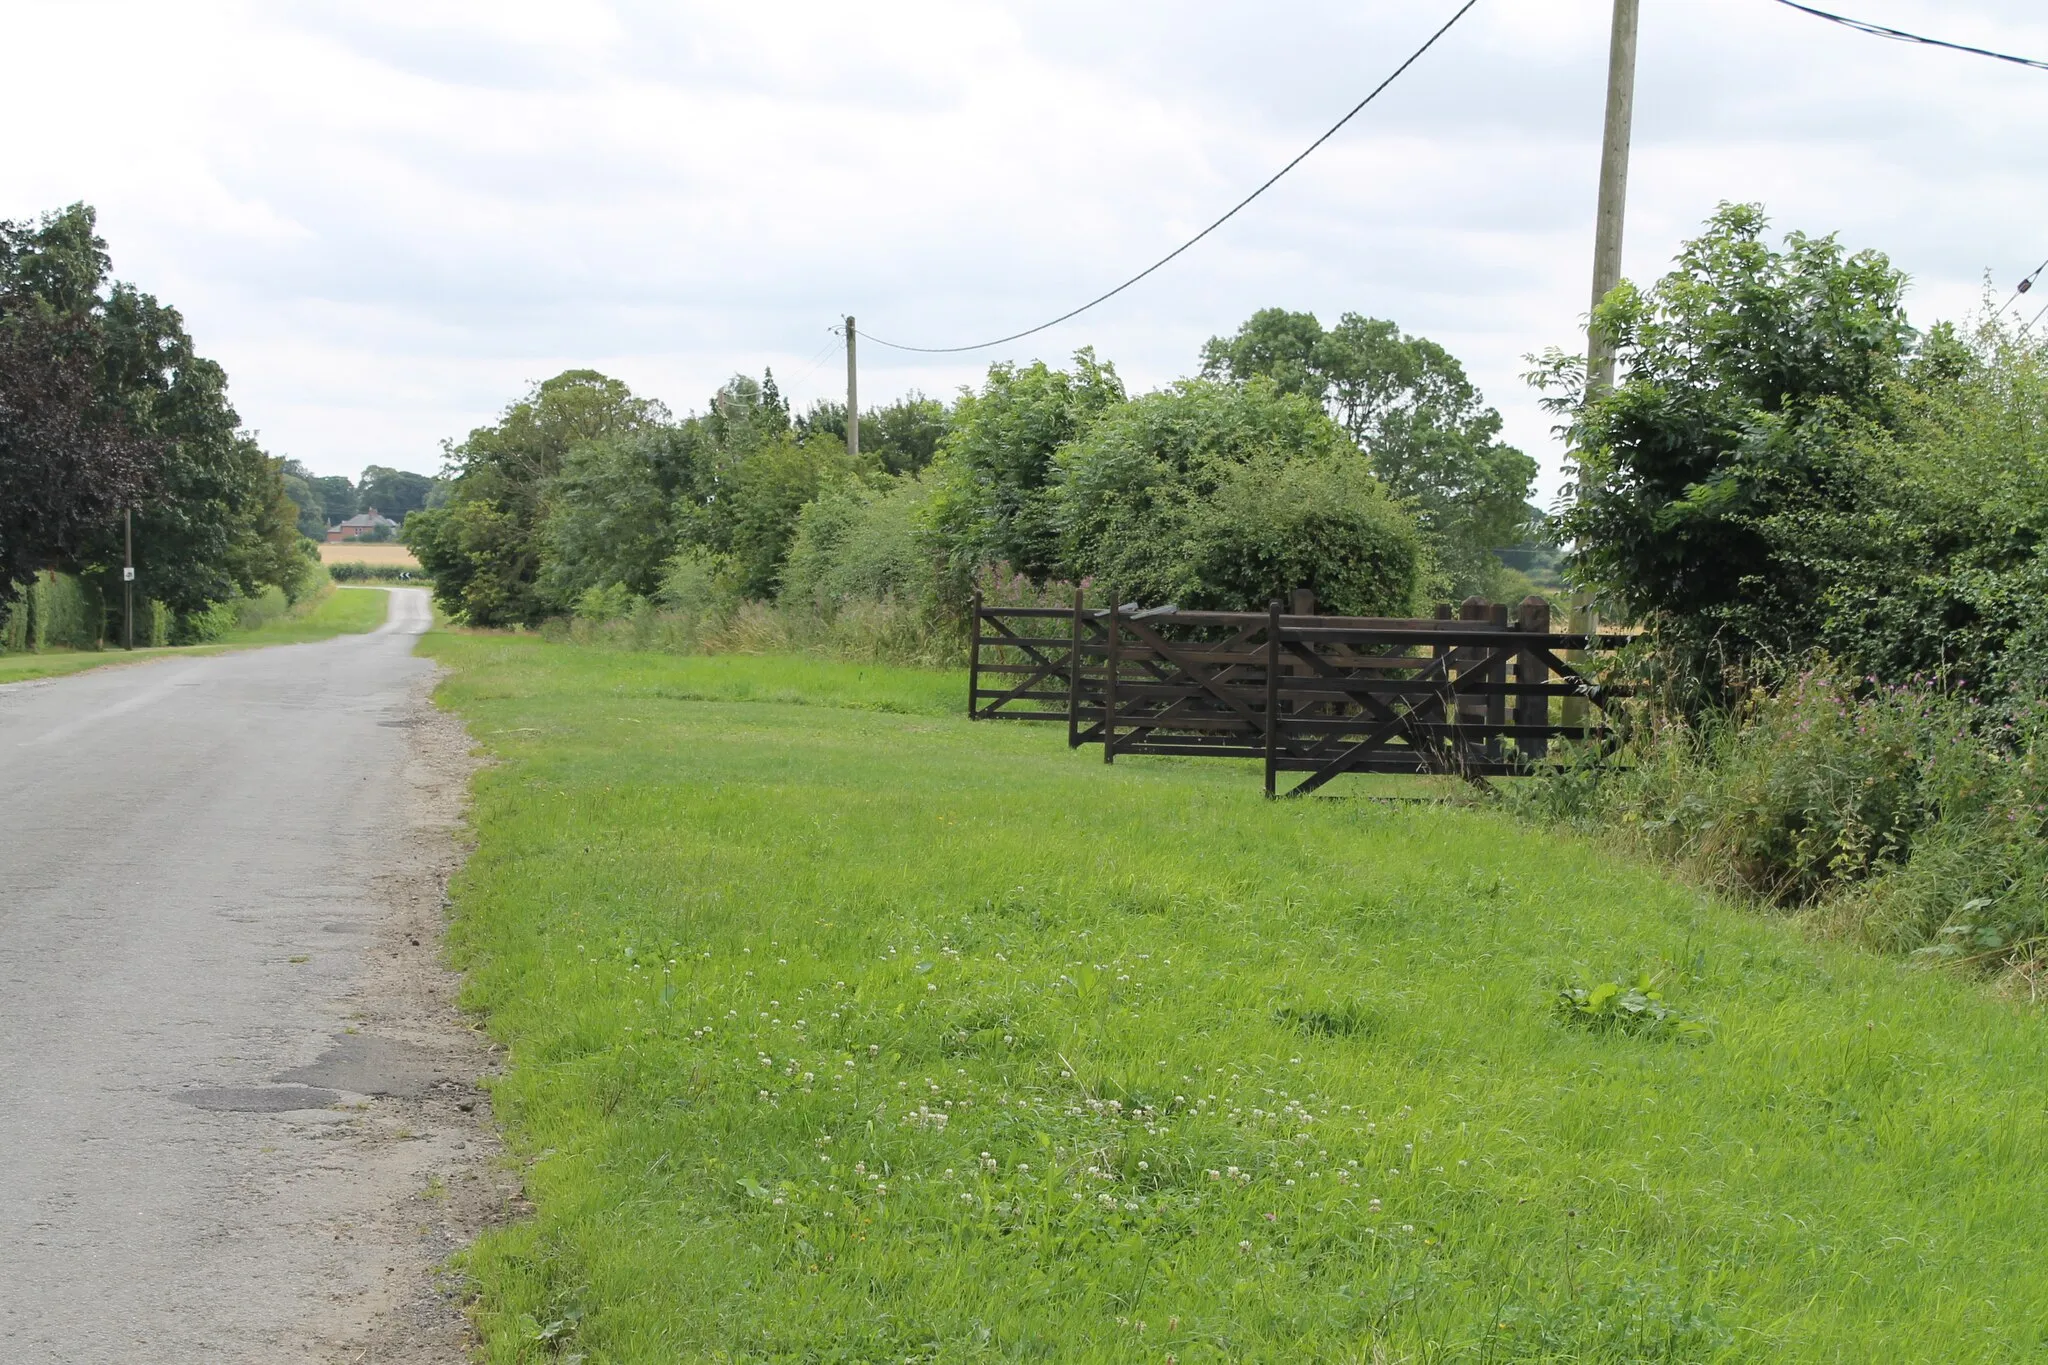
<point x="387" y="217"/>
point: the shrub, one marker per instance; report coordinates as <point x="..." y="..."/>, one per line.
<point x="377" y="573"/>
<point x="1905" y="816"/>
<point x="1326" y="525"/>
<point x="697" y="582"/>
<point x="1224" y="495"/>
<point x="857" y="544"/>
<point x="612" y="602"/>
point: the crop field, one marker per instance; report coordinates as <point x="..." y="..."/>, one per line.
<point x="387" y="553"/>
<point x="342" y="611"/>
<point x="841" y="1029"/>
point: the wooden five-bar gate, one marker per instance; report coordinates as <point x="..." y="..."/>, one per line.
<point x="1468" y="696"/>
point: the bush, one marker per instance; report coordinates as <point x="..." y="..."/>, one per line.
<point x="1224" y="495"/>
<point x="1326" y="525"/>
<point x="856" y="544"/>
<point x="1905" y="816"/>
<point x="378" y="573"/>
<point x="58" y="611"/>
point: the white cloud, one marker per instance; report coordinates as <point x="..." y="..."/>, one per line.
<point x="386" y="218"/>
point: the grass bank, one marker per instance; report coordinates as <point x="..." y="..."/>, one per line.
<point x="341" y="611"/>
<point x="844" y="1030"/>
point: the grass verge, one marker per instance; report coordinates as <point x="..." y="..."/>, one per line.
<point x="844" y="1030"/>
<point x="342" y="611"/>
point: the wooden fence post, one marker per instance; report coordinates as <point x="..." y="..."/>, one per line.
<point x="1497" y="675"/>
<point x="974" y="658"/>
<point x="1074" y="679"/>
<point x="1586" y="622"/>
<point x="1471" y="708"/>
<point x="1532" y="708"/>
<point x="1272" y="698"/>
<point x="1109" y="684"/>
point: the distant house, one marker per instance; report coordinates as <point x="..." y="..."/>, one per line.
<point x="360" y="528"/>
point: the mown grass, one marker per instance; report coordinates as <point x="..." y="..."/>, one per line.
<point x="341" y="611"/>
<point x="846" y="1030"/>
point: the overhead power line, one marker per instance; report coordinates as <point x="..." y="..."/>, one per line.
<point x="1413" y="57"/>
<point x="2023" y="286"/>
<point x="1900" y="35"/>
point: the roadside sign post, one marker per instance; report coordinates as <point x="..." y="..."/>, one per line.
<point x="127" y="578"/>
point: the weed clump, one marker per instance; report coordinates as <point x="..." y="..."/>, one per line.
<point x="1635" y="1007"/>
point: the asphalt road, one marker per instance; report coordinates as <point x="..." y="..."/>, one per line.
<point x="199" y="1155"/>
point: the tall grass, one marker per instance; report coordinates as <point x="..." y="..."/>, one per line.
<point x="697" y="615"/>
<point x="1908" y="817"/>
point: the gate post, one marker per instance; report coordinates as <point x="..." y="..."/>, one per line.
<point x="1585" y="621"/>
<point x="1497" y="675"/>
<point x="1074" y="678"/>
<point x="1532" y="671"/>
<point x="1272" y="697"/>
<point x="1109" y="683"/>
<point x="1471" y="707"/>
<point x="974" y="659"/>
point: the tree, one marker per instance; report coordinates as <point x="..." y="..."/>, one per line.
<point x="312" y="507"/>
<point x="611" y="512"/>
<point x="1408" y="405"/>
<point x="206" y="523"/>
<point x="1719" y="487"/>
<point x="67" y="465"/>
<point x="994" y="470"/>
<point x="395" y="493"/>
<point x="1223" y="495"/>
<point x="484" y="547"/>
<point x="903" y="436"/>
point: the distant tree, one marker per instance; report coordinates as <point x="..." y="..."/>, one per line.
<point x="903" y="436"/>
<point x="395" y="493"/>
<point x="1408" y="405"/>
<point x="301" y="486"/>
<point x="485" y="546"/>
<point x="338" y="497"/>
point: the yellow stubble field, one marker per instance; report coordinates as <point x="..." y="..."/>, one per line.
<point x="362" y="552"/>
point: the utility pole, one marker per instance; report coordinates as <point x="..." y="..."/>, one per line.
<point x="127" y="578"/>
<point x="1621" y="98"/>
<point x="852" y="396"/>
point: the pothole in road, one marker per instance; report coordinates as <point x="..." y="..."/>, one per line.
<point x="259" y="1099"/>
<point x="364" y="1064"/>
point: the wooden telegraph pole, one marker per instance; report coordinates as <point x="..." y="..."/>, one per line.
<point x="1621" y="98"/>
<point x="852" y="395"/>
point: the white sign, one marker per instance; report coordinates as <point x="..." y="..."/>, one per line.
<point x="128" y="575"/>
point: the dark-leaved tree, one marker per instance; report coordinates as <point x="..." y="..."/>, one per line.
<point x="211" y="520"/>
<point x="68" y="465"/>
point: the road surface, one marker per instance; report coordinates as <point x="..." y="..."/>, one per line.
<point x="232" y="1097"/>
